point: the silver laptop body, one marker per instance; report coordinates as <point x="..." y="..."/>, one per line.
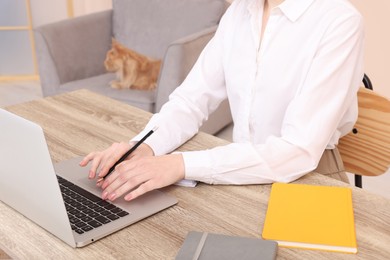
<point x="28" y="183"/>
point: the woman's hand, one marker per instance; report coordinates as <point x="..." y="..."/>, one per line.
<point x="102" y="161"/>
<point x="142" y="174"/>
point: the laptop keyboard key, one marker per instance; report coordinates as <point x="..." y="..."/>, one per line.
<point x="80" y="224"/>
<point x="105" y="213"/>
<point x="94" y="223"/>
<point x="116" y="210"/>
<point x="79" y="231"/>
<point x="93" y="214"/>
<point x="102" y="219"/>
<point x="87" y="228"/>
<point x="112" y="217"/>
<point x="123" y="213"/>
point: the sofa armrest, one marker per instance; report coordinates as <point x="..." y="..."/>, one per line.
<point x="179" y="59"/>
<point x="72" y="49"/>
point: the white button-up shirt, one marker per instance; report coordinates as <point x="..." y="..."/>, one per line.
<point x="292" y="93"/>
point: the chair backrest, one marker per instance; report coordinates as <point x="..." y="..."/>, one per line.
<point x="366" y="150"/>
<point x="149" y="26"/>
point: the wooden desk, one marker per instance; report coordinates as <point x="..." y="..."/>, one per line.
<point x="79" y="122"/>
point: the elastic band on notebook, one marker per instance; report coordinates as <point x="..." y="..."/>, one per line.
<point x="200" y="246"/>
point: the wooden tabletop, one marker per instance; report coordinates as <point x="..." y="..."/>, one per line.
<point x="78" y="122"/>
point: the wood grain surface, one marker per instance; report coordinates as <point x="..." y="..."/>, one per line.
<point x="78" y="122"/>
<point x="366" y="150"/>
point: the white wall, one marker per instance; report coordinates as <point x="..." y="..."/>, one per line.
<point x="82" y="7"/>
<point x="48" y="11"/>
<point x="377" y="55"/>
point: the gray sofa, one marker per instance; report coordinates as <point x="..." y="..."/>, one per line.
<point x="71" y="52"/>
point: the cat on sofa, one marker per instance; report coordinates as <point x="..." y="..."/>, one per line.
<point x="133" y="70"/>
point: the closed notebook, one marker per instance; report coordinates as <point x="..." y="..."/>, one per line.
<point x="204" y="246"/>
<point x="311" y="217"/>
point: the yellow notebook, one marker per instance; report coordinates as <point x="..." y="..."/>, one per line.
<point x="311" y="217"/>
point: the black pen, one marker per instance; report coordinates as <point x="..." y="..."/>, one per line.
<point x="132" y="149"/>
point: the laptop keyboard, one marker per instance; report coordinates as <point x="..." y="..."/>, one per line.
<point x="85" y="210"/>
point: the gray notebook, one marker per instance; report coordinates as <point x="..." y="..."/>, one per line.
<point x="203" y="246"/>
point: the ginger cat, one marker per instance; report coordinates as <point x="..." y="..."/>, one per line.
<point x="133" y="70"/>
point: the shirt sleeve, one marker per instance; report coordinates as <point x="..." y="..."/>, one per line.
<point x="191" y="103"/>
<point x="311" y="120"/>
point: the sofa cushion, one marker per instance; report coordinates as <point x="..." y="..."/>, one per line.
<point x="148" y="26"/>
<point x="100" y="84"/>
<point x="74" y="48"/>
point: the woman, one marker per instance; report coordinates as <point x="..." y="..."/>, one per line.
<point x="290" y="70"/>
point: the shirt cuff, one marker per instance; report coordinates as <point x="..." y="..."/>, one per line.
<point x="153" y="141"/>
<point x="198" y="166"/>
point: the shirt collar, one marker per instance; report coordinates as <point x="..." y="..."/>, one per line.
<point x="292" y="9"/>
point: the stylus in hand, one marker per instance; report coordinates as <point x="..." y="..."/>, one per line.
<point x="132" y="149"/>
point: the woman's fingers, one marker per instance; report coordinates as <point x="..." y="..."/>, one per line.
<point x="142" y="174"/>
<point x="142" y="189"/>
<point x="101" y="162"/>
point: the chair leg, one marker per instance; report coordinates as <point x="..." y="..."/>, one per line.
<point x="367" y="84"/>
<point x="358" y="181"/>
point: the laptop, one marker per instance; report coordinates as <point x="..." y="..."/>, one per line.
<point x="60" y="198"/>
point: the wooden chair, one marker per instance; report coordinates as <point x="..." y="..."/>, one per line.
<point x="366" y="150"/>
